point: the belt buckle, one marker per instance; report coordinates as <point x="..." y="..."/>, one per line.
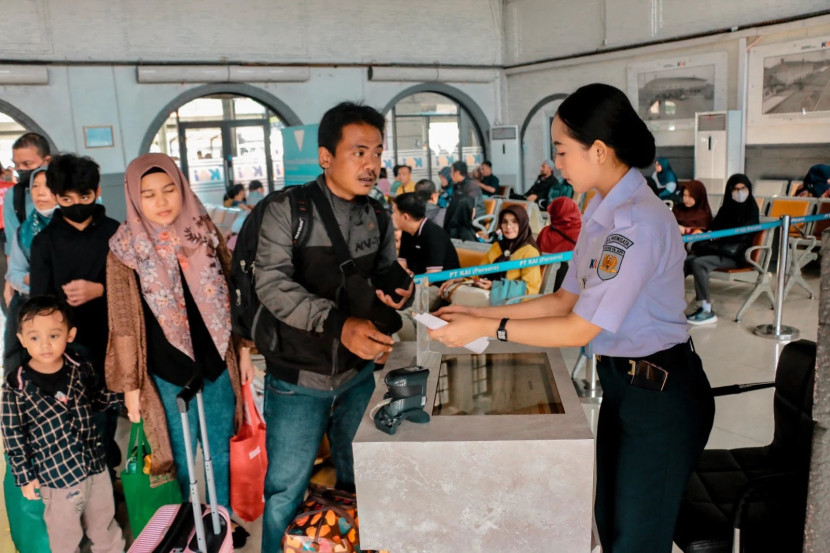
<point x="633" y="368"/>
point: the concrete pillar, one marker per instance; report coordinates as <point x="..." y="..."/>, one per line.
<point x="817" y="527"/>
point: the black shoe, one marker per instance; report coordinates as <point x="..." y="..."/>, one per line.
<point x="239" y="536"/>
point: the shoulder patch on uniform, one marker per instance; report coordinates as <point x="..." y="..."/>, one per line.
<point x="610" y="262"/>
<point x="620" y="240"/>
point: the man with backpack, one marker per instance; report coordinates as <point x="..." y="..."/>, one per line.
<point x="323" y="250"/>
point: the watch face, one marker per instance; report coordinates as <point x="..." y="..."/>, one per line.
<point x="502" y="335"/>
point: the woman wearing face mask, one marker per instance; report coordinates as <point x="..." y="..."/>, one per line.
<point x="169" y="313"/>
<point x="21" y="248"/>
<point x="693" y="214"/>
<point x="739" y="209"/>
<point x="623" y="294"/>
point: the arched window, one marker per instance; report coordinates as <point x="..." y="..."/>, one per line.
<point x="428" y="131"/>
<point x="537" y="145"/>
<point x="224" y="139"/>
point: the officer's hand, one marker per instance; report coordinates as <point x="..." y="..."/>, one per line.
<point x="387" y="299"/>
<point x="362" y="338"/>
<point x="455" y="309"/>
<point x="462" y="329"/>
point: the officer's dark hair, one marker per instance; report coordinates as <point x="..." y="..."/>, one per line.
<point x="411" y="203"/>
<point x="487" y="163"/>
<point x="603" y="112"/>
<point x="346" y="113"/>
<point x="43" y="306"/>
<point x="72" y="173"/>
<point x="255" y="185"/>
<point x="425" y="187"/>
<point x="33" y="140"/>
<point x="460" y="167"/>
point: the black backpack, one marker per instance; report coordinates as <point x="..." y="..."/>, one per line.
<point x="245" y="304"/>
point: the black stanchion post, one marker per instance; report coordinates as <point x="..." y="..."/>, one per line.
<point x="778" y="331"/>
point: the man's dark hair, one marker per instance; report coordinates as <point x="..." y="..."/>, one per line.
<point x="233" y="191"/>
<point x="395" y="170"/>
<point x="255" y="185"/>
<point x="33" y="140"/>
<point x="413" y="204"/>
<point x="346" y="113"/>
<point x="460" y="167"/>
<point x="70" y="173"/>
<point x="382" y="172"/>
<point x="43" y="306"/>
<point x="425" y="187"/>
<point x="405" y="166"/>
<point x="487" y="163"/>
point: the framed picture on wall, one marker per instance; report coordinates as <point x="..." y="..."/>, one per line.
<point x="98" y="137"/>
<point x="667" y="93"/>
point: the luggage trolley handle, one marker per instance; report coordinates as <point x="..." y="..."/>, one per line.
<point x="194" y="389"/>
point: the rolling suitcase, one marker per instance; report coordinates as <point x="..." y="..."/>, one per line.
<point x="195" y="527"/>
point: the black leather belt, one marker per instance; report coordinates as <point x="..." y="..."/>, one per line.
<point x="653" y="370"/>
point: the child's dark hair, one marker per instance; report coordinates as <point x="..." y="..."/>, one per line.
<point x="71" y="173"/>
<point x="331" y="126"/>
<point x="43" y="306"/>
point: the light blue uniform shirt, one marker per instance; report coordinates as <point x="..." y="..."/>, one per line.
<point x="627" y="269"/>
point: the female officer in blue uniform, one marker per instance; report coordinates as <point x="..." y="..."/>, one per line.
<point x="624" y="297"/>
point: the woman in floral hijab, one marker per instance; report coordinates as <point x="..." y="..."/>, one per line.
<point x="170" y="318"/>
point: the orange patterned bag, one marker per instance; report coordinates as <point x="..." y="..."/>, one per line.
<point x="326" y="523"/>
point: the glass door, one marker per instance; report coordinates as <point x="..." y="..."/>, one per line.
<point x="203" y="161"/>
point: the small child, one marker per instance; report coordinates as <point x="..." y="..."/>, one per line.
<point x="49" y="435"/>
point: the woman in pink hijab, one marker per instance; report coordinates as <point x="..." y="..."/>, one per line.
<point x="169" y="313"/>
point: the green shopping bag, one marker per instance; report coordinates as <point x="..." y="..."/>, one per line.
<point x="141" y="499"/>
<point x="25" y="518"/>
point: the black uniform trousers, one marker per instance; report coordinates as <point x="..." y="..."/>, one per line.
<point x="647" y="444"/>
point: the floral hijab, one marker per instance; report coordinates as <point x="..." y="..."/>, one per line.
<point x="160" y="254"/>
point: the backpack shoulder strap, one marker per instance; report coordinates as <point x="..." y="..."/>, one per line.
<point x="300" y="216"/>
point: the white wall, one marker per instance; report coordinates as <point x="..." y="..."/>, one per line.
<point x="543" y="29"/>
<point x="91" y="95"/>
<point x="271" y="31"/>
<point x="529" y="85"/>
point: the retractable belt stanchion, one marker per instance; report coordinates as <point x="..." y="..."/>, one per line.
<point x="778" y="331"/>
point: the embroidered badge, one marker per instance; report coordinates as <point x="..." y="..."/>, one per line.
<point x="619" y="240"/>
<point x="610" y="262"/>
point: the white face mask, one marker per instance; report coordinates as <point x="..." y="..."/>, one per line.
<point x="47" y="212"/>
<point x="740" y="196"/>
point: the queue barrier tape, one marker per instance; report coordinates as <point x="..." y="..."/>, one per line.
<point x="548" y="259"/>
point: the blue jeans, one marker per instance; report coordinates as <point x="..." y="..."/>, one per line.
<point x="219" y="412"/>
<point x="296" y="419"/>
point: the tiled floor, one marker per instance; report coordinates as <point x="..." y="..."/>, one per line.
<point x="730" y="353"/>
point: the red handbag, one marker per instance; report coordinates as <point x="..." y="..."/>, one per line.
<point x="249" y="463"/>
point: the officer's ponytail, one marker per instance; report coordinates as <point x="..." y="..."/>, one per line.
<point x="603" y="112"/>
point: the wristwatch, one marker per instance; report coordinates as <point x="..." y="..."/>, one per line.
<point x="501" y="333"/>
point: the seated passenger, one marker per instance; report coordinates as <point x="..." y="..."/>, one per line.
<point x="235" y="197"/>
<point x="458" y="221"/>
<point x="445" y="174"/>
<point x="256" y="192"/>
<point x="559" y="189"/>
<point x="541" y="186"/>
<point x="435" y="212"/>
<point x="693" y="213"/>
<point x="665" y="178"/>
<point x="739" y="209"/>
<point x="425" y="247"/>
<point x="816" y="182"/>
<point x="516" y="242"/>
<point x="561" y="233"/>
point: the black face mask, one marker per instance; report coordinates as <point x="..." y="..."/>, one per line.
<point x="78" y="213"/>
<point x="24" y="176"/>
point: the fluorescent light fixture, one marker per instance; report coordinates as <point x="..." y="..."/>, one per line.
<point x="221" y="73"/>
<point x="442" y="74"/>
<point x="24" y="74"/>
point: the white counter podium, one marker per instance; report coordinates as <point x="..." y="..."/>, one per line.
<point x="506" y="463"/>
